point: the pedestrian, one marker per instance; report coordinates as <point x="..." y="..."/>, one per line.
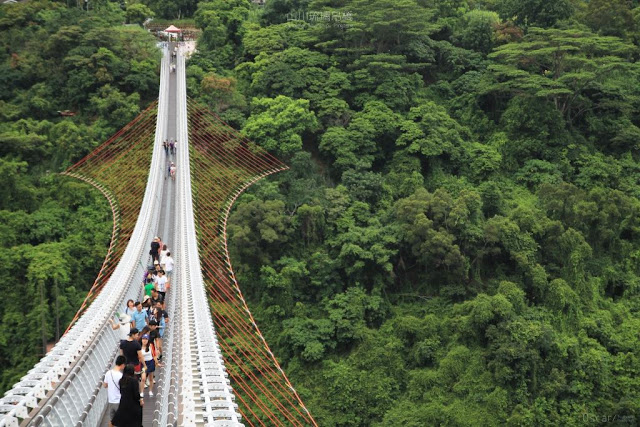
<point x="165" y="145"/>
<point x="171" y="145"/>
<point x="172" y="171"/>
<point x="155" y="299"/>
<point x="163" y="253"/>
<point x="147" y="305"/>
<point x="123" y="324"/>
<point x="168" y="266"/>
<point x="155" y="249"/>
<point x="112" y="384"/>
<point x="130" y="308"/>
<point x="161" y="284"/>
<point x="129" y="413"/>
<point x="175" y="146"/>
<point x="150" y="360"/>
<point x="154" y="334"/>
<point x="149" y="286"/>
<point x="162" y="319"/>
<point x="139" y="317"/>
<point x="156" y="269"/>
<point x="130" y="348"/>
<point x="161" y="313"/>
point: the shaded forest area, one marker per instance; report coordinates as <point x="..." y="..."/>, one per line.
<point x="457" y="241"/>
<point x="55" y="231"/>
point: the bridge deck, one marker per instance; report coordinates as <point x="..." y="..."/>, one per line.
<point x="165" y="231"/>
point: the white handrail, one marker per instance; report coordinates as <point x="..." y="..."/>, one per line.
<point x="207" y="373"/>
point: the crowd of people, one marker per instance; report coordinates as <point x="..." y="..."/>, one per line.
<point x="142" y="325"/>
<point x="170" y="148"/>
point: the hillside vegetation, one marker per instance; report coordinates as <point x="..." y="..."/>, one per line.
<point x="457" y="241"/>
<point x="55" y="231"/>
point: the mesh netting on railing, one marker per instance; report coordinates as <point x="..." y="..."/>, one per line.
<point x="119" y="168"/>
<point x="223" y="164"/>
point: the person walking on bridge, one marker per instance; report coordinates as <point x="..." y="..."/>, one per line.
<point x="168" y="267"/>
<point x="139" y="317"/>
<point x="150" y="360"/>
<point x="123" y="324"/>
<point x="155" y="249"/>
<point x="129" y="413"/>
<point x="112" y="384"/>
<point x="163" y="253"/>
<point x="161" y="284"/>
<point x="131" y="349"/>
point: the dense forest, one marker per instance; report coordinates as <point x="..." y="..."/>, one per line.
<point x="457" y="240"/>
<point x="55" y="231"/>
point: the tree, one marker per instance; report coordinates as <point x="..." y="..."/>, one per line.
<point x="254" y="230"/>
<point x="15" y="192"/>
<point x="277" y="124"/>
<point x="221" y="92"/>
<point x="271" y="39"/>
<point x="610" y="18"/>
<point x="535" y="12"/>
<point x="175" y="9"/>
<point x="293" y="72"/>
<point x="570" y="68"/>
<point x="389" y="25"/>
<point x="364" y="247"/>
<point x="479" y="30"/>
<point x="431" y="132"/>
<point x="405" y="174"/>
<point x="117" y="108"/>
<point x="221" y="22"/>
<point x="137" y="13"/>
<point x="385" y="77"/>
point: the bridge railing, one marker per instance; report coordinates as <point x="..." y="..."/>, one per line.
<point x="205" y="390"/>
<point x="64" y="387"/>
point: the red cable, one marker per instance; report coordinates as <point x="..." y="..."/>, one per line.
<point x="234" y="322"/>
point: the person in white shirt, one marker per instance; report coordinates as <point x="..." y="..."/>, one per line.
<point x="163" y="254"/>
<point x="123" y="323"/>
<point x="161" y="285"/>
<point x="168" y="266"/>
<point x="112" y="384"/>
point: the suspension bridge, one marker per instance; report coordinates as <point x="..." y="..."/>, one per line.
<point x="218" y="368"/>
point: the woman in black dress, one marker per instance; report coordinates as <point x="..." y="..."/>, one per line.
<point x="129" y="413"/>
